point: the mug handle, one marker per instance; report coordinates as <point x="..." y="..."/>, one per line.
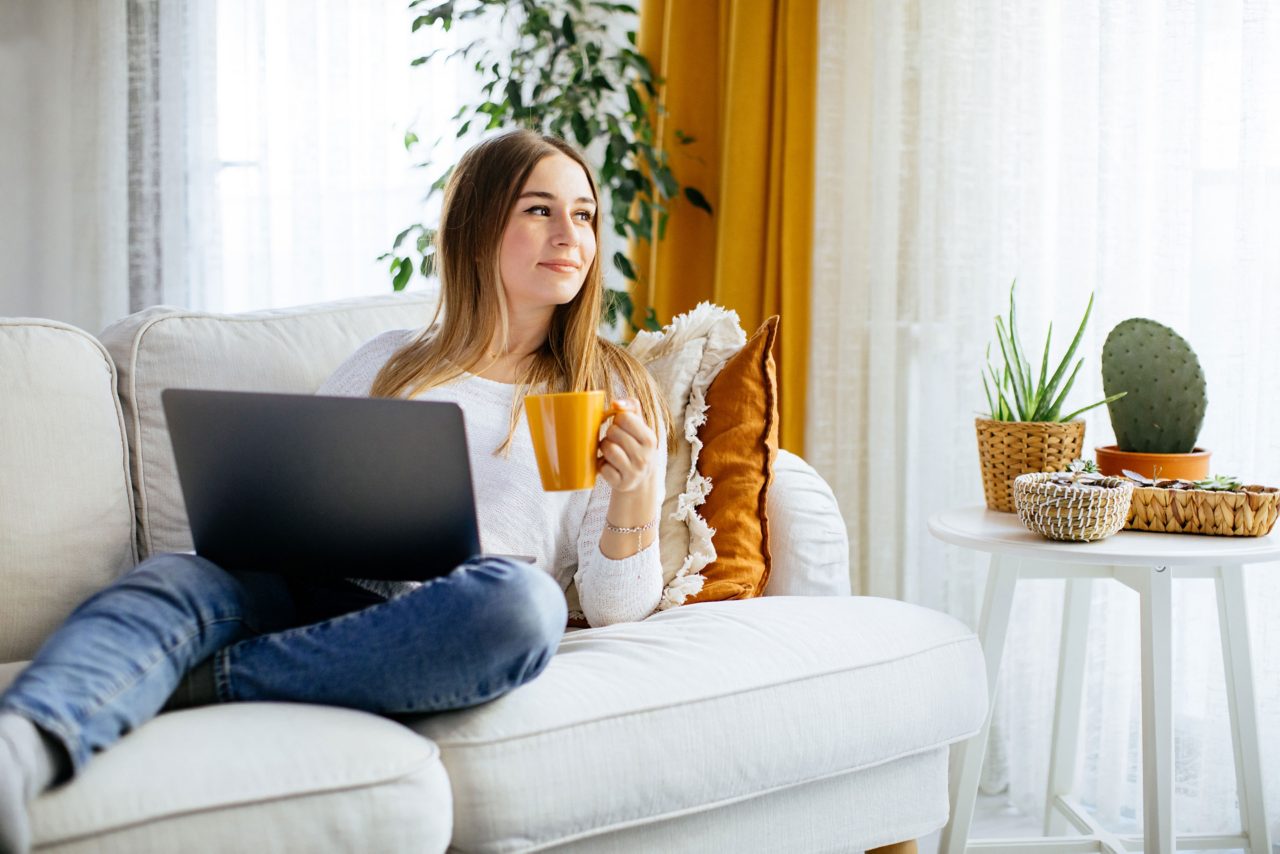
<point x="612" y="410"/>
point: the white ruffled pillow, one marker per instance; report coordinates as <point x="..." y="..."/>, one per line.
<point x="684" y="358"/>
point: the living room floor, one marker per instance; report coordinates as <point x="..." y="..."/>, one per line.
<point x="995" y="817"/>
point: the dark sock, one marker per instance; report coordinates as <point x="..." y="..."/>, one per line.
<point x="31" y="760"/>
<point x="196" y="689"/>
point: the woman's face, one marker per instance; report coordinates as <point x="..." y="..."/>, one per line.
<point x="550" y="241"/>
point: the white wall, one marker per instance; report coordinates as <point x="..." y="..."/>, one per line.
<point x="63" y="196"/>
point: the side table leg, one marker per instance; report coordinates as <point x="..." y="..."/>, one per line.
<point x="966" y="757"/>
<point x="1155" y="588"/>
<point x="1066" y="715"/>
<point x="1233" y="623"/>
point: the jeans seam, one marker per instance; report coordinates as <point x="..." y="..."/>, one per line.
<point x="166" y="651"/>
<point x="222" y="675"/>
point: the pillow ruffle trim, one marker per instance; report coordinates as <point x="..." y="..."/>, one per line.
<point x="723" y="332"/>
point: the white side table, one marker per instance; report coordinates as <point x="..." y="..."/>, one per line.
<point x="1147" y="563"/>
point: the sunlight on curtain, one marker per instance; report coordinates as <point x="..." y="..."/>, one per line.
<point x="301" y="179"/>
<point x="1129" y="149"/>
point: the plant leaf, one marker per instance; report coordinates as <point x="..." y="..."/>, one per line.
<point x="624" y="264"/>
<point x="580" y="130"/>
<point x="1092" y="405"/>
<point x="1041" y="396"/>
<point x="1012" y="369"/>
<point x="696" y="199"/>
<point x="1071" y="351"/>
<point x="402" y="276"/>
<point x="1006" y="411"/>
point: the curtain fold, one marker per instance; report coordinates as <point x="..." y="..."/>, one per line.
<point x="63" y="161"/>
<point x="741" y="80"/>
<point x="161" y="76"/>
<point x="1131" y="151"/>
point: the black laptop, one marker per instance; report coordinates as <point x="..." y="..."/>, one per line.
<point x="346" y="487"/>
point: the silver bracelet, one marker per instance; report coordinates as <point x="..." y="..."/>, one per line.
<point x="636" y="530"/>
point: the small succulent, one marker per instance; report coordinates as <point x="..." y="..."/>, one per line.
<point x="1079" y="473"/>
<point x="1141" y="479"/>
<point x="1078" y="466"/>
<point x="1217" y="483"/>
<point x="1220" y="483"/>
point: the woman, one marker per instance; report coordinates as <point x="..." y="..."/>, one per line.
<point x="518" y="262"/>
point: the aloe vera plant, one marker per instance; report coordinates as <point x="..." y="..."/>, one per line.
<point x="1014" y="393"/>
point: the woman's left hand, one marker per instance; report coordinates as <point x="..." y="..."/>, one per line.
<point x="629" y="450"/>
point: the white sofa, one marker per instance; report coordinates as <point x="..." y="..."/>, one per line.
<point x="805" y="720"/>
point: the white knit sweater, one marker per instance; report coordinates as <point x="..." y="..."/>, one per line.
<point x="560" y="529"/>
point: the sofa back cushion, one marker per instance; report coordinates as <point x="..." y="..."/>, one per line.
<point x="65" y="506"/>
<point x="288" y="350"/>
<point x="808" y="540"/>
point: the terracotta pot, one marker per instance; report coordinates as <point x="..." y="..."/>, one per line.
<point x="1193" y="466"/>
<point x="1007" y="449"/>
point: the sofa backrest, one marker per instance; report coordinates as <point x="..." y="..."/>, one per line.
<point x="289" y="350"/>
<point x="79" y="504"/>
<point x="66" y="513"/>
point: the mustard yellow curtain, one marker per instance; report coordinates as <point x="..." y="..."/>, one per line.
<point x="741" y="79"/>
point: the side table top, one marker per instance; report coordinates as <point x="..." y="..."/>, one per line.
<point x="1001" y="533"/>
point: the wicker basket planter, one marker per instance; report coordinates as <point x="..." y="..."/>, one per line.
<point x="1007" y="449"/>
<point x="1076" y="513"/>
<point x="1250" y="513"/>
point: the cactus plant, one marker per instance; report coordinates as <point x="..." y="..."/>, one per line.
<point x="1164" y="408"/>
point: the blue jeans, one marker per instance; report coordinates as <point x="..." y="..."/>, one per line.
<point x="490" y="625"/>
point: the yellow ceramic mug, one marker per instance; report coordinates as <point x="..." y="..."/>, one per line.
<point x="566" y="434"/>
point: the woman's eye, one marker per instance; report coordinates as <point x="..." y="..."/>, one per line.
<point x="545" y="210"/>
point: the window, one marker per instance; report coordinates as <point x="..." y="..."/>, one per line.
<point x="298" y="175"/>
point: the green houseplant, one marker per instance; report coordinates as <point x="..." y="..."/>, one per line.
<point x="1158" y="421"/>
<point x="567" y="75"/>
<point x="1025" y="429"/>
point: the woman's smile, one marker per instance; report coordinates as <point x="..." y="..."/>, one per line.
<point x="560" y="265"/>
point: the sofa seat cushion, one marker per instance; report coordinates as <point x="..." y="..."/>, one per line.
<point x="259" y="777"/>
<point x="703" y="706"/>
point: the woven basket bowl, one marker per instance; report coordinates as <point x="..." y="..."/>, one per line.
<point x="1196" y="511"/>
<point x="1007" y="449"/>
<point x="1069" y="512"/>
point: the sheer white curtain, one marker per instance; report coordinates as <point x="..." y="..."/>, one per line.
<point x="299" y="177"/>
<point x="1128" y="149"/>
<point x="63" y="161"/>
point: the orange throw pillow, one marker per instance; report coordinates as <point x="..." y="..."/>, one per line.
<point x="739" y="446"/>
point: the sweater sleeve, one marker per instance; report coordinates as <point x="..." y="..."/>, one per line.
<point x="617" y="591"/>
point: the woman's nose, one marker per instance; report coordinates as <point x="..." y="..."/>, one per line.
<point x="564" y="233"/>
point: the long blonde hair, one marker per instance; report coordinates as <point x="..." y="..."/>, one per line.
<point x="478" y="202"/>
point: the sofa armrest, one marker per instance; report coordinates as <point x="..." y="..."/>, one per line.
<point x="808" y="540"/>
